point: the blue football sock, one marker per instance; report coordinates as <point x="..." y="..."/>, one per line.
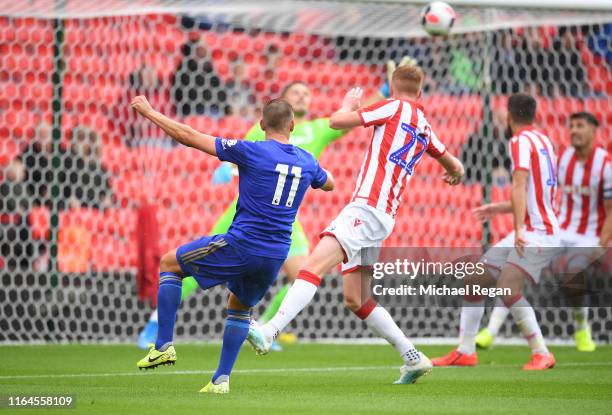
<point x="236" y="331"/>
<point x="168" y="302"/>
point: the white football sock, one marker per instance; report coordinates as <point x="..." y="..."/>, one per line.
<point x="498" y="316"/>
<point x="525" y="319"/>
<point x="471" y="315"/>
<point x="382" y="324"/>
<point x="581" y="317"/>
<point x="153" y="317"/>
<point x="297" y="298"/>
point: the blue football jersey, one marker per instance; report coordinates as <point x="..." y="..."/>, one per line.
<point x="273" y="179"/>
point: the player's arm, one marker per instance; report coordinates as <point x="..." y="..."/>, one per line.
<point x="454" y="168"/>
<point x="329" y="184"/>
<point x="182" y="133"/>
<point x="487" y="211"/>
<point x="520" y="153"/>
<point x="518" y="200"/>
<point x="322" y="179"/>
<point x="606" y="230"/>
<point x="347" y="116"/>
<point x="385" y="90"/>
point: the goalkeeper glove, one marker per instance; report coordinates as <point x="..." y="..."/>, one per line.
<point x="222" y="174"/>
<point x="385" y="89"/>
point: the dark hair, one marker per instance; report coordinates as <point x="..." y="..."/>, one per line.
<point x="587" y="116"/>
<point x="522" y="108"/>
<point x="277" y="114"/>
<point x="291" y="85"/>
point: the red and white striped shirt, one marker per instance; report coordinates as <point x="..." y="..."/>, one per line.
<point x="401" y="136"/>
<point x="532" y="151"/>
<point x="584" y="187"/>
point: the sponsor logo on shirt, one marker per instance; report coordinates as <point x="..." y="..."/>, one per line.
<point x="227" y="143"/>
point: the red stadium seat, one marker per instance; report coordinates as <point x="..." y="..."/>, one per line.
<point x="39" y="221"/>
<point x="112" y="254"/>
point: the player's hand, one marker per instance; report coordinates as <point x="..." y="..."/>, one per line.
<point x="520" y="242"/>
<point x="405" y="61"/>
<point x="141" y="105"/>
<point x="352" y="99"/>
<point x="484" y="212"/>
<point x="385" y="89"/>
<point x="452" y="179"/>
<point x="222" y="174"/>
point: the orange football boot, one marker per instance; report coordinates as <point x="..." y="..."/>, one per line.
<point x="456" y="358"/>
<point x="540" y="362"/>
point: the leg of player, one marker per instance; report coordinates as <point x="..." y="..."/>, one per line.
<point x="582" y="335"/>
<point x="574" y="287"/>
<point x="357" y="299"/>
<point x="149" y="333"/>
<point x="295" y="260"/>
<point x="472" y="311"/>
<point x="524" y="315"/>
<point x="499" y="314"/>
<point x="168" y="302"/>
<point x="327" y="254"/>
<point x="235" y="333"/>
<point x="291" y="267"/>
<point x="190" y="285"/>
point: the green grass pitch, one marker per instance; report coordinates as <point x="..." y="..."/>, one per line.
<point x="307" y="379"/>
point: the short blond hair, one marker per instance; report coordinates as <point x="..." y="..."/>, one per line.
<point x="407" y="79"/>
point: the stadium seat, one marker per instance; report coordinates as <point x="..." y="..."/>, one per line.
<point x="598" y="72"/>
<point x="112" y="254"/>
<point x="9" y="149"/>
<point x="39" y="221"/>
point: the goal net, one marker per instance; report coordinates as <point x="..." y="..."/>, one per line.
<point x="91" y="194"/>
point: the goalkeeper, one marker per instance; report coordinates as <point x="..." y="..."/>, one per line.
<point x="311" y="135"/>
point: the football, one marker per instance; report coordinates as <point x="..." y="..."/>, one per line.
<point x="438" y="18"/>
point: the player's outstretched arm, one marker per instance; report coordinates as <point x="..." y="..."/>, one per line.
<point x="347" y="116"/>
<point x="454" y="168"/>
<point x="182" y="133"/>
<point x="487" y="211"/>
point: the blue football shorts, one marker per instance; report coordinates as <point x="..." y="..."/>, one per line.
<point x="212" y="260"/>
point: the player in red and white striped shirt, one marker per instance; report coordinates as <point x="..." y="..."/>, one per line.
<point x="585" y="217"/>
<point x="585" y="181"/>
<point x="401" y="140"/>
<point x="525" y="252"/>
<point x="401" y="137"/>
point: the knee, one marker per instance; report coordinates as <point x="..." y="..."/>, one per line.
<point x="352" y="302"/>
<point x="234" y="303"/>
<point x="168" y="262"/>
<point x="311" y="266"/>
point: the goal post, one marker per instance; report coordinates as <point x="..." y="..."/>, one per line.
<point x="69" y="245"/>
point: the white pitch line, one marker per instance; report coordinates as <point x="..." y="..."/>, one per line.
<point x="161" y="372"/>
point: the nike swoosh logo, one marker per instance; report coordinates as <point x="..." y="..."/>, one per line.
<point x="152" y="360"/>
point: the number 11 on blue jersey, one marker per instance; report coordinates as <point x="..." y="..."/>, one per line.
<point x="283" y="171"/>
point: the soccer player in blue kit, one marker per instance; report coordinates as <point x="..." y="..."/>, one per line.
<point x="274" y="176"/>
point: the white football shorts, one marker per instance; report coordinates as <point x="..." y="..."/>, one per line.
<point x="357" y="227"/>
